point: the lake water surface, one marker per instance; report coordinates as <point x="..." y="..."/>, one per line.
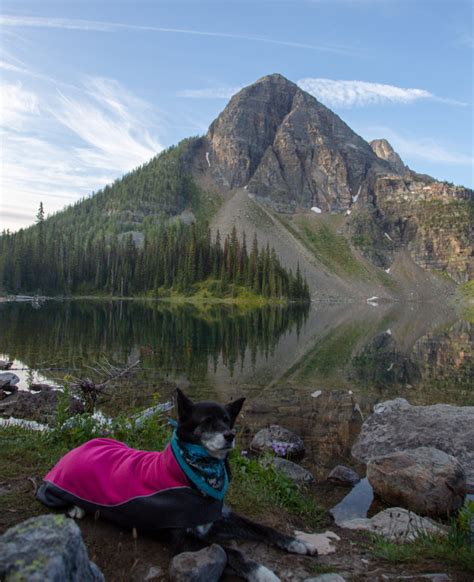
<point x="317" y="370"/>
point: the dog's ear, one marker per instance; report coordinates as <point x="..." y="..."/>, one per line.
<point x="233" y="408"/>
<point x="184" y="404"/>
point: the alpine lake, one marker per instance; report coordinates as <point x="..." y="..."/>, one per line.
<point x="318" y="370"/>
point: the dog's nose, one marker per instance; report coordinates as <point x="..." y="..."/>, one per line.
<point x="229" y="436"/>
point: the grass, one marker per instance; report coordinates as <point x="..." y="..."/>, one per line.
<point x="257" y="490"/>
<point x="454" y="549"/>
<point x="210" y="292"/>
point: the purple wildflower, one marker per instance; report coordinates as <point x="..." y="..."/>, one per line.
<point x="280" y="448"/>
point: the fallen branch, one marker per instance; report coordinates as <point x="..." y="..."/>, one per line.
<point x="91" y="390"/>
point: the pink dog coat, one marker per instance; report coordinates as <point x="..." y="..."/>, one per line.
<point x="135" y="488"/>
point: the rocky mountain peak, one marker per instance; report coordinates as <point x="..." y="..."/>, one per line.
<point x="245" y="129"/>
<point x="383" y="149"/>
<point x="288" y="149"/>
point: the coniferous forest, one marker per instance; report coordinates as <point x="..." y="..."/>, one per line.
<point x="172" y="256"/>
<point x="128" y="240"/>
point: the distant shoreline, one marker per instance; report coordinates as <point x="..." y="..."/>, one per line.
<point x="174" y="300"/>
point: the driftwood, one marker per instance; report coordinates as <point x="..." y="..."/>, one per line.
<point x="90" y="390"/>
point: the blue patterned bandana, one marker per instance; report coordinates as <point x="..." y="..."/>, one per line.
<point x="207" y="473"/>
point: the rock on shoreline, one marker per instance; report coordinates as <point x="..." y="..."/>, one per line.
<point x="48" y="547"/>
<point x="425" y="480"/>
<point x="396" y="425"/>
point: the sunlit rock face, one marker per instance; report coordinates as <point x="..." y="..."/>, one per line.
<point x="433" y="220"/>
<point x="385" y="151"/>
<point x="289" y="150"/>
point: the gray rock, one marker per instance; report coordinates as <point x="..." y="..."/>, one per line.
<point x="397" y="425"/>
<point x="279" y="440"/>
<point x="295" y="472"/>
<point x="8" y="379"/>
<point x="291" y="150"/>
<point x="425" y="480"/>
<point x="46" y="548"/>
<point x="343" y="476"/>
<point x="331" y="577"/>
<point x="207" y="565"/>
<point x="5" y="364"/>
<point x="395" y="523"/>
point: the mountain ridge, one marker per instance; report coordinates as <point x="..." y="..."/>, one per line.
<point x="274" y="158"/>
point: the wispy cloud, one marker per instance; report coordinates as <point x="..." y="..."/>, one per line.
<point x="102" y="26"/>
<point x="427" y="149"/>
<point x="16" y="105"/>
<point x="359" y="93"/>
<point x="342" y="94"/>
<point x="58" y="146"/>
<point x="111" y="124"/>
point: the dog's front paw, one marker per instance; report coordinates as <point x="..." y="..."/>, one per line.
<point x="262" y="574"/>
<point x="301" y="547"/>
<point x="76" y="512"/>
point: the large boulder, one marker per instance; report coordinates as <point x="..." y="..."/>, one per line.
<point x="425" y="480"/>
<point x="206" y="565"/>
<point x="279" y="440"/>
<point x="397" y="425"/>
<point x="48" y="547"/>
<point x="396" y="523"/>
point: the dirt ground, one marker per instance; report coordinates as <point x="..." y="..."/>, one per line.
<point x="123" y="558"/>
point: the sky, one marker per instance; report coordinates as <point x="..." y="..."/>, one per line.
<point x="90" y="89"/>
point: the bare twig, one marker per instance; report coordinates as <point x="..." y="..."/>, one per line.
<point x="91" y="390"/>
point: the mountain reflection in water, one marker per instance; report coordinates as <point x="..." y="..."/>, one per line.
<point x="276" y="356"/>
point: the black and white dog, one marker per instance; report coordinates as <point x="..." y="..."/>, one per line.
<point x="178" y="492"/>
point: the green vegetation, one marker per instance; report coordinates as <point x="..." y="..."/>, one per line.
<point x="327" y="246"/>
<point x="172" y="258"/>
<point x="332" y="249"/>
<point x="466" y="300"/>
<point x="455" y="548"/>
<point x="257" y="489"/>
